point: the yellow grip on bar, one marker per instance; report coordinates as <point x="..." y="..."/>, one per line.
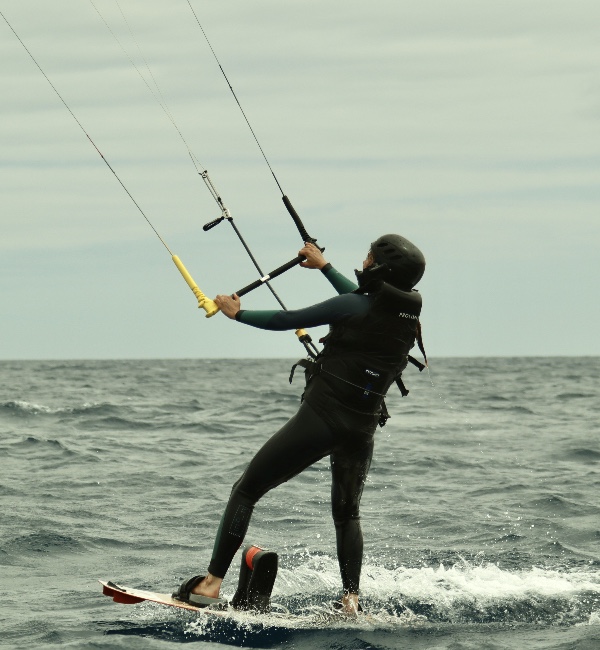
<point x="207" y="304"/>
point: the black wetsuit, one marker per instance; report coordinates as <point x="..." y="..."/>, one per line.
<point x="327" y="424"/>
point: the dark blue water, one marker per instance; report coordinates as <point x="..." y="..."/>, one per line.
<point x="481" y="514"/>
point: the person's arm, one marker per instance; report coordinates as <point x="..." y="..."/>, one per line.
<point x="315" y="260"/>
<point x="324" y="313"/>
<point x="331" y="311"/>
<point x="338" y="281"/>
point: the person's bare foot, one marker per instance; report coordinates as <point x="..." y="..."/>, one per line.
<point x="210" y="586"/>
<point x="350" y="604"/>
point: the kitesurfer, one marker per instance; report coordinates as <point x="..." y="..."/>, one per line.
<point x="372" y="328"/>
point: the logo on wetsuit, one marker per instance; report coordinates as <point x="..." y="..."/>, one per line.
<point x="369" y="386"/>
<point x="405" y="315"/>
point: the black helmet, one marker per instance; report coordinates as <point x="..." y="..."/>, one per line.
<point x="404" y="259"/>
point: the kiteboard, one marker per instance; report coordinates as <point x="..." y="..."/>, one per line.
<point x="258" y="571"/>
<point x="131" y="596"/>
<point x="257" y="575"/>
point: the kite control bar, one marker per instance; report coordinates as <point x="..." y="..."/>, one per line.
<point x="302" y="335"/>
<point x="209" y="306"/>
<point x="273" y="274"/>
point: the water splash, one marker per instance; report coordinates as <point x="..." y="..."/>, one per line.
<point x="465" y="592"/>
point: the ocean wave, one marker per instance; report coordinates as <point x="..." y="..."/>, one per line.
<point x="29" y="443"/>
<point x="114" y="423"/>
<point x="445" y="461"/>
<point x="557" y="504"/>
<point x="511" y="537"/>
<point x="7" y="491"/>
<point x="24" y="408"/>
<point x="582" y="454"/>
<point x="516" y="409"/>
<point x="498" y="489"/>
<point x="584" y="557"/>
<point x="42" y="542"/>
<point x="18" y="407"/>
<point x="568" y="396"/>
<point x="210" y="427"/>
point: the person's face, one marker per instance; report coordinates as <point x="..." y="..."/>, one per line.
<point x="368" y="260"/>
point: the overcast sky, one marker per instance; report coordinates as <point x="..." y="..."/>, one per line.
<point x="470" y="127"/>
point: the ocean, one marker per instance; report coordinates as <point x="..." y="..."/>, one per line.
<point x="481" y="514"/>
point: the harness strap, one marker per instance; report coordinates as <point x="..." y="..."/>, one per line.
<point x="384" y="416"/>
<point x="307" y="364"/>
<point x="401" y="386"/>
<point x="417" y="363"/>
<point x="420" y="343"/>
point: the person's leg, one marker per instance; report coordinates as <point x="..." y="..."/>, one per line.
<point x="302" y="441"/>
<point x="349" y="472"/>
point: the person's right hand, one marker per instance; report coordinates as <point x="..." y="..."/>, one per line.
<point x="229" y="305"/>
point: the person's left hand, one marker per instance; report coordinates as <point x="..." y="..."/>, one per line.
<point x="313" y="257"/>
<point x="229" y="305"/>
